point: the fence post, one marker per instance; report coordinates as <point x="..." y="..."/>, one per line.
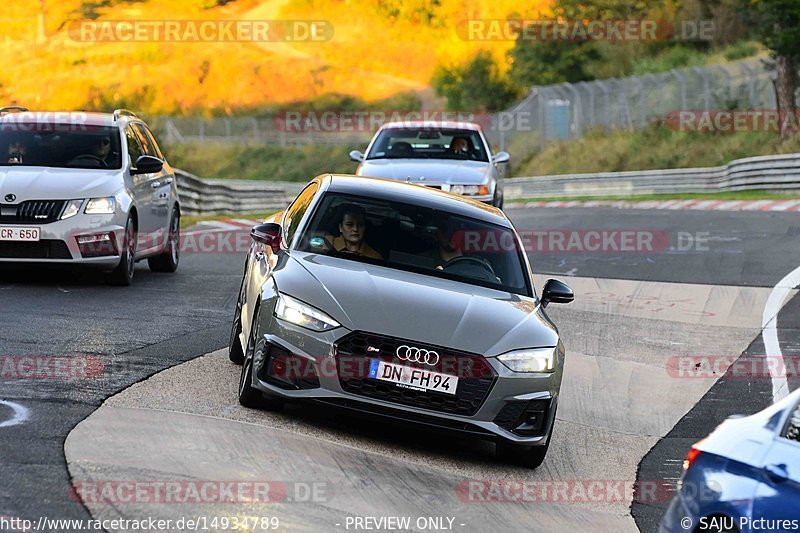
<point x="751" y="84"/>
<point x="706" y="87"/>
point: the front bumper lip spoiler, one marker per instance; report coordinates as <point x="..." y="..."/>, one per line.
<point x="401" y="417"/>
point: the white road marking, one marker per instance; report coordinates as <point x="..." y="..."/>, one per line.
<point x="21" y="414"/>
<point x="769" y="325"/>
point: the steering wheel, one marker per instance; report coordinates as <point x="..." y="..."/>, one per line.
<point x="100" y="162"/>
<point x="466" y="261"/>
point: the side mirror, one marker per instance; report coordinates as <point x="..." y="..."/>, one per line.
<point x="147" y="164"/>
<point x="356" y="156"/>
<point x="268" y="234"/>
<point x="556" y="292"/>
<point x="501" y="157"/>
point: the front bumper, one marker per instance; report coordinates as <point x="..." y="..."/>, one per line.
<point x="510" y="403"/>
<point x="58" y="244"/>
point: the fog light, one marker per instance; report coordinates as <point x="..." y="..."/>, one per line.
<point x="97" y="245"/>
<point x="532" y="420"/>
<point x="288" y="371"/>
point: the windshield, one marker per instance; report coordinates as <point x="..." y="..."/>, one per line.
<point x="417" y="239"/>
<point x="428" y="143"/>
<point x="43" y="145"/>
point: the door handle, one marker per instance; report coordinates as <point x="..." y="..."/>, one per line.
<point x="155" y="185"/>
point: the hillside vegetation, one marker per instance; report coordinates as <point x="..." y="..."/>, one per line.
<point x="379" y="48"/>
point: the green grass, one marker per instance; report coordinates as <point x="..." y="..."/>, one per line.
<point x="727" y="195"/>
<point x="657" y="147"/>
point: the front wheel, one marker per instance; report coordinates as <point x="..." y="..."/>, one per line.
<point x="249" y="396"/>
<point x="168" y="260"/>
<point x="123" y="274"/>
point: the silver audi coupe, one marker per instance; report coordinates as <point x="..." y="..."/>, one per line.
<point x="403" y="302"/>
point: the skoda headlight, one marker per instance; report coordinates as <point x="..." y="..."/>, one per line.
<point x="296" y="312"/>
<point x="101" y="206"/>
<point x="529" y="360"/>
<point x="72" y="208"/>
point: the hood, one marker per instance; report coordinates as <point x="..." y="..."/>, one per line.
<point x="434" y="171"/>
<point x="413" y="306"/>
<point x="42" y="183"/>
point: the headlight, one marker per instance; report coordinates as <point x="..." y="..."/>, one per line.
<point x="73" y="206"/>
<point x="296" y="312"/>
<point x="101" y="206"/>
<point x="530" y="360"/>
<point x="470" y="190"/>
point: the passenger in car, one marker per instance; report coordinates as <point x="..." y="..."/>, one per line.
<point x="353" y="229"/>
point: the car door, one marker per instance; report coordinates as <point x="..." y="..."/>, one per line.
<point x="161" y="184"/>
<point x="259" y="265"/>
<point x="778" y="495"/>
<point x="143" y="196"/>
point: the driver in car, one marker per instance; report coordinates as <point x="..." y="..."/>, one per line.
<point x="102" y="148"/>
<point x="459" y="146"/>
<point x="352" y="229"/>
<point x="16" y="152"/>
<point x="446" y="248"/>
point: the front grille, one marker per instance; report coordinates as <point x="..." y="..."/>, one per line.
<point x="44" y="249"/>
<point x="476" y="376"/>
<point x="31" y="212"/>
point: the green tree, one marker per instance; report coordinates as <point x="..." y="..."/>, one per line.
<point x="777" y="25"/>
<point x="478" y="85"/>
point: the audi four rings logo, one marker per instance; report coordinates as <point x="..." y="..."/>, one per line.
<point x="417" y="355"/>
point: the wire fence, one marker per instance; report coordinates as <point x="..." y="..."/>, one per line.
<point x="553" y="112"/>
<point x="567" y="111"/>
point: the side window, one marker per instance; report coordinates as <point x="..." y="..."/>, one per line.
<point x="153" y="143"/>
<point x="134" y="148"/>
<point x="294" y="214"/>
<point x="793" y="427"/>
<point x="147" y="145"/>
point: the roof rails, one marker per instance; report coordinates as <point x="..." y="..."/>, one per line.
<point x="124" y="113"/>
<point x="12" y="109"/>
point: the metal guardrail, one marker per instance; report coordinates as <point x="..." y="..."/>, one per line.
<point x="776" y="173"/>
<point x="210" y="197"/>
<point x="779" y="173"/>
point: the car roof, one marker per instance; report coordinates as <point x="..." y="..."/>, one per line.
<point x="432" y="124"/>
<point x="87" y="118"/>
<point x="415" y="194"/>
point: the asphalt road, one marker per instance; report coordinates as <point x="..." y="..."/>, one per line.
<point x="166" y="319"/>
<point x="715" y="247"/>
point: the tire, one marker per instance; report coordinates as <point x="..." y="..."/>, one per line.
<point x="525" y="456"/>
<point x="122" y="275"/>
<point x="248" y="396"/>
<point x="499" y="202"/>
<point x="169" y="259"/>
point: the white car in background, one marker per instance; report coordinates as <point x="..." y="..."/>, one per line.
<point x="451" y="156"/>
<point x="86" y="189"/>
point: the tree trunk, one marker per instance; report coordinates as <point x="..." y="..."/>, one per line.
<point x="785" y="86"/>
